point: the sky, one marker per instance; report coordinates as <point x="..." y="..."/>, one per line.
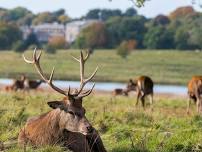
<point x="77" y="8"/>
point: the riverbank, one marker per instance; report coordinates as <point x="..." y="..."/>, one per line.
<point x="164" y="67"/>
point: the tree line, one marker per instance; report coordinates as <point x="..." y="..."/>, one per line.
<point x="181" y="29"/>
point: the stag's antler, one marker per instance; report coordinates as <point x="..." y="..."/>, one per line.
<point x="84" y="81"/>
<point x="36" y="62"/>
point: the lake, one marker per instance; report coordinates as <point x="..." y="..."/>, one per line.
<point x="109" y="86"/>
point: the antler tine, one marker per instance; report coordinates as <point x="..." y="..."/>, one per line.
<point x="87" y="56"/>
<point x="83" y="81"/>
<point x="92" y="75"/>
<point x="87" y="92"/>
<point x="36" y="62"/>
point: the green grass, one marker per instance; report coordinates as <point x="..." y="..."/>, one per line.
<point x="123" y="127"/>
<point x="171" y="67"/>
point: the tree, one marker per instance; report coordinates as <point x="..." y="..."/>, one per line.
<point x="59" y="12"/>
<point x="130" y="12"/>
<point x="9" y="34"/>
<point x="158" y="37"/>
<point x="182" y="12"/>
<point x="161" y="20"/>
<point x="196" y="38"/>
<point x="57" y="42"/>
<point x="103" y="14"/>
<point x="19" y="46"/>
<point x="31" y="40"/>
<point x="182" y="39"/>
<point x="26" y="20"/>
<point x="63" y="19"/>
<point x="45" y="17"/>
<point x="123" y="49"/>
<point x="94" y="36"/>
<point x="17" y="13"/>
<point x="126" y="28"/>
<point x="93" y="14"/>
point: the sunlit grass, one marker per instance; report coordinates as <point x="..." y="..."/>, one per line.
<point x="123" y="127"/>
<point x="163" y="66"/>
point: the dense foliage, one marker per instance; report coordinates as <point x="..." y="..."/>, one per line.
<point x="181" y="29"/>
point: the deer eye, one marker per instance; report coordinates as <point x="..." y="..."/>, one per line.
<point x="71" y="112"/>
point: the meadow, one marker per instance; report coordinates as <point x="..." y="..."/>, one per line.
<point x="122" y="126"/>
<point x="169" y="67"/>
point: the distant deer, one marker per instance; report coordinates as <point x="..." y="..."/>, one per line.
<point x="32" y="84"/>
<point x="16" y="84"/>
<point x="195" y="92"/>
<point x="23" y="84"/>
<point x="143" y="86"/>
<point x="67" y="116"/>
<point x="119" y="91"/>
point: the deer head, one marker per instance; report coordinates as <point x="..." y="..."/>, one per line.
<point x="131" y="85"/>
<point x="72" y="114"/>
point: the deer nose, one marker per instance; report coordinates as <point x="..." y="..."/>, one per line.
<point x="90" y="129"/>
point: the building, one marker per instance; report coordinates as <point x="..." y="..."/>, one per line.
<point x="74" y="28"/>
<point x="47" y="30"/>
<point x="26" y="31"/>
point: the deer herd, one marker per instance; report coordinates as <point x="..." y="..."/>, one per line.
<point x="66" y="124"/>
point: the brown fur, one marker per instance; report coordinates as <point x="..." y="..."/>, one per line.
<point x="16" y="84"/>
<point x="34" y="84"/>
<point x="143" y="86"/>
<point x="46" y="125"/>
<point x="48" y="129"/>
<point x="194" y="92"/>
<point x="119" y="91"/>
<point x="67" y="121"/>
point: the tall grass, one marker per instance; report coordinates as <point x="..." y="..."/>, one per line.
<point x="123" y="127"/>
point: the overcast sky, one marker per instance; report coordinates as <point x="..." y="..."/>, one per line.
<point x="77" y="8"/>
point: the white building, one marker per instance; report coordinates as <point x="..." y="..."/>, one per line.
<point x="26" y="31"/>
<point x="74" y="28"/>
<point x="47" y="30"/>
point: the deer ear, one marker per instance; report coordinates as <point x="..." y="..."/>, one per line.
<point x="56" y="104"/>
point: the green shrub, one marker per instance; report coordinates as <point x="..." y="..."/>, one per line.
<point x="19" y="46"/>
<point x="49" y="49"/>
<point x="123" y="50"/>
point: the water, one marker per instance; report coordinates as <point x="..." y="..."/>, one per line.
<point x="109" y="86"/>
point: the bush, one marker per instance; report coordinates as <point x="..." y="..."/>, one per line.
<point x="124" y="49"/>
<point x="49" y="49"/>
<point x="58" y="42"/>
<point x="19" y="46"/>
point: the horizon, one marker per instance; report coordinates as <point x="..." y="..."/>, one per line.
<point x="150" y="9"/>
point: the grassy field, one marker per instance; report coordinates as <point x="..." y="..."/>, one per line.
<point x="123" y="127"/>
<point x="171" y="67"/>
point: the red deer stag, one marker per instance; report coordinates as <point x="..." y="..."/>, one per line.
<point x="66" y="124"/>
<point x="143" y="86"/>
<point x="194" y="92"/>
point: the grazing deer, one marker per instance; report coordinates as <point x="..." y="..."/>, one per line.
<point x="119" y="91"/>
<point x="194" y="92"/>
<point x="16" y="84"/>
<point x="143" y="86"/>
<point x="32" y="84"/>
<point x="67" y="116"/>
